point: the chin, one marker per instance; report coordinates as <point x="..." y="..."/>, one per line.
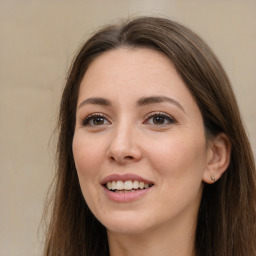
<point x="129" y="224"/>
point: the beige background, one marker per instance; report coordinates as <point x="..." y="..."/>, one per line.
<point x="37" y="42"/>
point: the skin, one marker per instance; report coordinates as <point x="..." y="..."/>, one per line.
<point x="174" y="153"/>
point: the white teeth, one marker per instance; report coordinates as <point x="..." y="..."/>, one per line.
<point x="119" y="185"/>
<point x="136" y="184"/>
<point x="113" y="186"/>
<point x="141" y="185"/>
<point x="109" y="185"/>
<point x="127" y="185"/>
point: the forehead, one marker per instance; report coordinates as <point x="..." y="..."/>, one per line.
<point x="126" y="68"/>
<point x="133" y="59"/>
<point x="124" y="76"/>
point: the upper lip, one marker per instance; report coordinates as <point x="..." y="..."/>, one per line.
<point x="125" y="177"/>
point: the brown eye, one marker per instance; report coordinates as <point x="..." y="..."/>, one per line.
<point x="95" y="120"/>
<point x="159" y="119"/>
<point x="98" y="121"/>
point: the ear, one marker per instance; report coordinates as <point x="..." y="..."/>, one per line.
<point x="218" y="158"/>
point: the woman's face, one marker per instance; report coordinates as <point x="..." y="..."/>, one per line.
<point x="139" y="144"/>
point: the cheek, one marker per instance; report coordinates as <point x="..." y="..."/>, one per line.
<point x="179" y="157"/>
<point x="87" y="156"/>
<point x="85" y="152"/>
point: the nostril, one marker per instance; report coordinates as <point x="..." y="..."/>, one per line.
<point x="121" y="159"/>
<point x="128" y="157"/>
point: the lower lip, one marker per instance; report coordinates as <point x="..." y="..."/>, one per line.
<point x="126" y="197"/>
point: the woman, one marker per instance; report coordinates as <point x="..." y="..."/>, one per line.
<point x="153" y="158"/>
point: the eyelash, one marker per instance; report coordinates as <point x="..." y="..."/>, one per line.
<point x="87" y="119"/>
<point x="170" y="120"/>
<point x="166" y="117"/>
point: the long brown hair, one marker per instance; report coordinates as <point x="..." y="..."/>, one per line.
<point x="227" y="215"/>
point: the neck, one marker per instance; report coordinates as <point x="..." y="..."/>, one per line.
<point x="174" y="240"/>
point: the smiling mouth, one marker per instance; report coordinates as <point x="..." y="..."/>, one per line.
<point x="126" y="186"/>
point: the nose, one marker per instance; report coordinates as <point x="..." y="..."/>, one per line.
<point x="124" y="146"/>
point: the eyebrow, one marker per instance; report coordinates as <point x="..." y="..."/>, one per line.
<point x="95" y="101"/>
<point x="141" y="102"/>
<point x="158" y="99"/>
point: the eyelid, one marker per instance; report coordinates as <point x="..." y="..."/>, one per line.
<point x="88" y="118"/>
<point x="160" y="113"/>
